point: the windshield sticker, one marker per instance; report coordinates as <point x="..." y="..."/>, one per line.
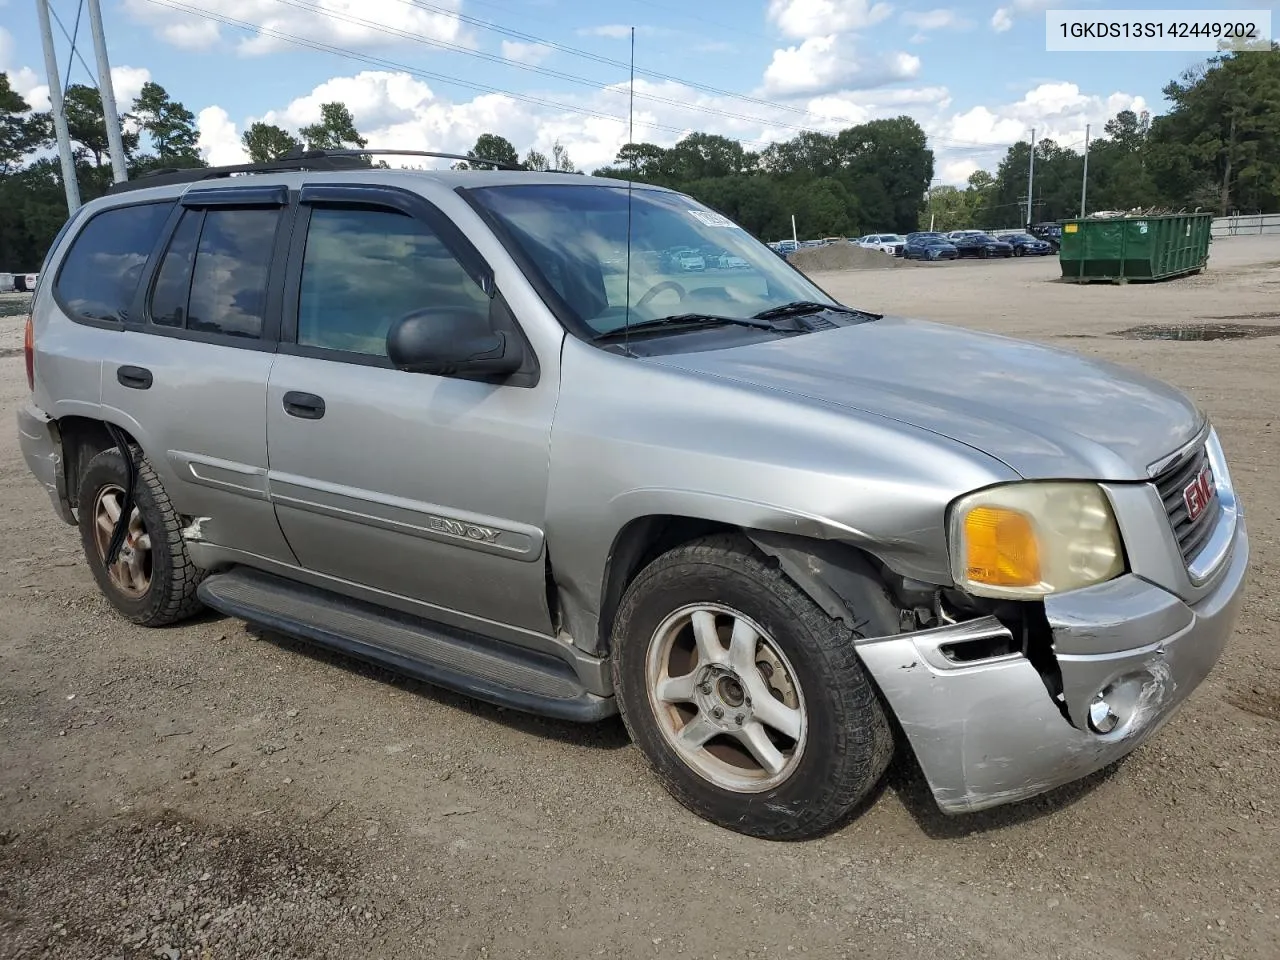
<point x="711" y="219"/>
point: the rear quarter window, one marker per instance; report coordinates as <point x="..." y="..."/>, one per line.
<point x="99" y="275"/>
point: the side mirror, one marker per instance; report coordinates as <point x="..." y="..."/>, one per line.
<point x="444" y="342"/>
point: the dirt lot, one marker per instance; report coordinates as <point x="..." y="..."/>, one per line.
<point x="207" y="792"/>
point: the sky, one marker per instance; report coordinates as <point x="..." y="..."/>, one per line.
<point x="435" y="74"/>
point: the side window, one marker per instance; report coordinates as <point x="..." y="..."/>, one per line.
<point x="213" y="278"/>
<point x="229" y="278"/>
<point x="173" y="280"/>
<point x="99" y="275"/>
<point x="366" y="268"/>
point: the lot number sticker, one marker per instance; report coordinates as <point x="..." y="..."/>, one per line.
<point x="711" y="219"/>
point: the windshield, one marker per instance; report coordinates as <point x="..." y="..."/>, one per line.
<point x="685" y="258"/>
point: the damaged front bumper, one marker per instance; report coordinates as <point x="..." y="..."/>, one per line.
<point x="987" y="732"/>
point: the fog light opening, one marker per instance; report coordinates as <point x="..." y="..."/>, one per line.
<point x="1102" y="718"/>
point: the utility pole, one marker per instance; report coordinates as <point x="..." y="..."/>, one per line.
<point x="107" y="90"/>
<point x="1031" y="177"/>
<point x="1084" y="180"/>
<point x="795" y="237"/>
<point x="59" y="114"/>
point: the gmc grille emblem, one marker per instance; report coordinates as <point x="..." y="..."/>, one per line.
<point x="1199" y="493"/>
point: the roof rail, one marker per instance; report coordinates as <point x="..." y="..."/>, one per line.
<point x="294" y="160"/>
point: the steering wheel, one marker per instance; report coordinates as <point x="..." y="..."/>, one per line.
<point x="657" y="288"/>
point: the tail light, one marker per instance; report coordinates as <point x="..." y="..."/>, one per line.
<point x="29" y="352"/>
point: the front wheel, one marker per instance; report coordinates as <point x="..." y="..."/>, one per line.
<point x="748" y="701"/>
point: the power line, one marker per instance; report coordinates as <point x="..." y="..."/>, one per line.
<point x="583" y="81"/>
<point x="414" y="71"/>
<point x="653" y="74"/>
<point x="530" y="67"/>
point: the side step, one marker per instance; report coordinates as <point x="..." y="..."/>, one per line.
<point x="467" y="663"/>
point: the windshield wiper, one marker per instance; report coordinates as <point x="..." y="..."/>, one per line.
<point x="692" y="320"/>
<point x="799" y="308"/>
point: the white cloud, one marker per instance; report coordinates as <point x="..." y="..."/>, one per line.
<point x="621" y="31"/>
<point x="193" y="34"/>
<point x="611" y="31"/>
<point x="1003" y="18"/>
<point x="533" y="53"/>
<point x="823" y="64"/>
<point x="812" y="18"/>
<point x="219" y="141"/>
<point x="1058" y="111"/>
<point x="127" y="83"/>
<point x="376" y="98"/>
<point x="396" y="110"/>
<point x="956" y="172"/>
<point x="346" y="23"/>
<point x="22" y="79"/>
<point x="940" y="19"/>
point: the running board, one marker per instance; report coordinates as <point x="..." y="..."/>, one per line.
<point x="464" y="662"/>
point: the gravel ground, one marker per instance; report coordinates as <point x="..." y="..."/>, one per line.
<point x="205" y="791"/>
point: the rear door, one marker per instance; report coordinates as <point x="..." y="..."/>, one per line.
<point x="188" y="374"/>
<point x="427" y="488"/>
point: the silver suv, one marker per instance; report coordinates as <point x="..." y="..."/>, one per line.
<point x="410" y="416"/>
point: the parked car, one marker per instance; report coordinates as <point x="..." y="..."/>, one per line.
<point x="955" y="235"/>
<point x="929" y="246"/>
<point x="729" y="261"/>
<point x="686" y="260"/>
<point x="890" y="243"/>
<point x="1051" y="233"/>
<point x="752" y="519"/>
<point x="1024" y="244"/>
<point x="982" y="245"/>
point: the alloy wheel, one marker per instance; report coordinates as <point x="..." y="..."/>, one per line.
<point x="726" y="698"/>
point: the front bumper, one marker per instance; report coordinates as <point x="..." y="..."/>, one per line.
<point x="987" y="732"/>
<point x="42" y="449"/>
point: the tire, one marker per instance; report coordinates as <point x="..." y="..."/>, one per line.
<point x="171" y="578"/>
<point x="845" y="743"/>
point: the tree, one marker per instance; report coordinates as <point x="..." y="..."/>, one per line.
<point x="1220" y="143"/>
<point x="265" y="142"/>
<point x="86" y="126"/>
<point x="533" y="160"/>
<point x="560" y="159"/>
<point x="490" y="146"/>
<point x="19" y="134"/>
<point x="335" y="131"/>
<point x="170" y="126"/>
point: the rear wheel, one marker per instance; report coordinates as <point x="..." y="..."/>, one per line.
<point x="153" y="581"/>
<point x="749" y="702"/>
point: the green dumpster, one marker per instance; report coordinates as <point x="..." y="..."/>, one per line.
<point x="1120" y="249"/>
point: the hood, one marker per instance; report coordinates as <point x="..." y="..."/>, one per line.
<point x="1045" y="413"/>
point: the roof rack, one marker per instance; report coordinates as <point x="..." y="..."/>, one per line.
<point x="294" y="160"/>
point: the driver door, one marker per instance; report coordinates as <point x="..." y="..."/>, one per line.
<point x="431" y="489"/>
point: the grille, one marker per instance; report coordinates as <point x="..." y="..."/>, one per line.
<point x="1192" y="535"/>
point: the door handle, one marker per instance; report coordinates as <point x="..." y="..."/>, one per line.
<point x="135" y="378"/>
<point x="306" y="406"/>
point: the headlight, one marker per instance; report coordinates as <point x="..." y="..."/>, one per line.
<point x="1024" y="540"/>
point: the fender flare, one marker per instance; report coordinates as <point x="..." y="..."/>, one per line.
<point x="837" y="577"/>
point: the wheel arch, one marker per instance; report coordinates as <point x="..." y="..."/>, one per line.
<point x="847" y="582"/>
<point x="83" y="438"/>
